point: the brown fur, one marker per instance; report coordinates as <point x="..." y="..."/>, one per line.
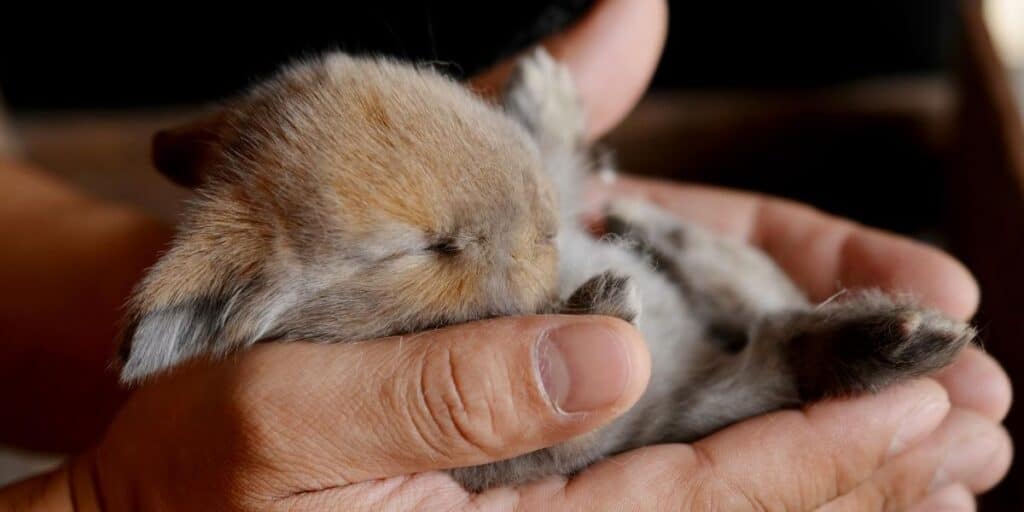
<point x="346" y="167"/>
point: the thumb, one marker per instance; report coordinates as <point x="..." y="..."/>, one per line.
<point x="452" y="397"/>
<point x="612" y="53"/>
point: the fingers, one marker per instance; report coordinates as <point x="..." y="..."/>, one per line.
<point x="612" y="53"/>
<point x="864" y="257"/>
<point x="968" y="453"/>
<point x="453" y="397"/>
<point x="955" y="498"/>
<point x="821" y="253"/>
<point x="976" y="382"/>
<point x="788" y="460"/>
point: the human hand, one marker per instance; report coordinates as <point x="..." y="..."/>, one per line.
<point x="818" y="251"/>
<point x="252" y="432"/>
<point x="363" y="427"/>
<point x="616" y="47"/>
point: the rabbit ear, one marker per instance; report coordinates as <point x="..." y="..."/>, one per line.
<point x="193" y="303"/>
<point x="185" y="153"/>
<point x="210" y="324"/>
<point x="161" y="338"/>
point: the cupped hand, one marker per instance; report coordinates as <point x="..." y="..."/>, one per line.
<point x="967" y="453"/>
<point x="611" y="55"/>
<point x="358" y="426"/>
<point x="367" y="426"/>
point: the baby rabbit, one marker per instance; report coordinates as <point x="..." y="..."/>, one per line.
<point x="352" y="198"/>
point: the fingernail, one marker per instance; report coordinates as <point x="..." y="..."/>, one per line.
<point x="582" y="366"/>
<point x="918" y="423"/>
<point x="947" y="499"/>
<point x="966" y="458"/>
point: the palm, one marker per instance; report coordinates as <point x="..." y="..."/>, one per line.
<point x="820" y="252"/>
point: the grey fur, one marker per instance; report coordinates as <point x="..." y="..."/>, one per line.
<point x="608" y="293"/>
<point x="729" y="334"/>
<point x="700" y="293"/>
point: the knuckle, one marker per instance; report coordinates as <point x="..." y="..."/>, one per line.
<point x="457" y="415"/>
<point x="872" y="496"/>
<point x="898" y="491"/>
<point x="888" y="491"/>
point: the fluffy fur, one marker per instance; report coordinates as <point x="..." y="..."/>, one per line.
<point x="350" y="198"/>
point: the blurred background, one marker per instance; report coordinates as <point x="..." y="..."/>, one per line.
<point x="902" y="114"/>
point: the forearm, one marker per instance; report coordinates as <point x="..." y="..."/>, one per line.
<point x="68" y="264"/>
